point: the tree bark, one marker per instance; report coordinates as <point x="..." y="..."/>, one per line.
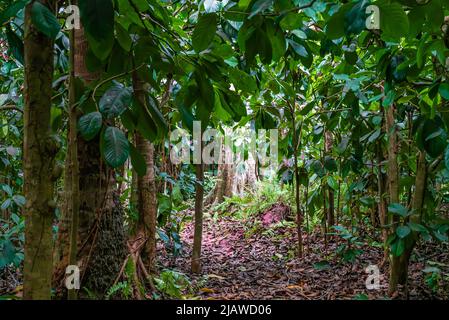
<point x="198" y="235"/>
<point x="74" y="197"/>
<point x="393" y="186"/>
<point x="331" y="198"/>
<point x="147" y="201"/>
<point x="297" y="182"/>
<point x="39" y="152"/>
<point x="101" y="243"/>
<point x="399" y="266"/>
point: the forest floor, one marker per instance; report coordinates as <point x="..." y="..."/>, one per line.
<point x="254" y="258"/>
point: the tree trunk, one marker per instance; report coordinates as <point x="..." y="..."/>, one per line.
<point x="399" y="267"/>
<point x="331" y="198"/>
<point x="296" y="172"/>
<point x="147" y="201"/>
<point x="73" y="198"/>
<point x="198" y="235"/>
<point x="101" y="243"/>
<point x="39" y="152"/>
<point x="393" y="187"/>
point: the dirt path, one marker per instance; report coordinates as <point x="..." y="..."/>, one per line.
<point x="241" y="261"/>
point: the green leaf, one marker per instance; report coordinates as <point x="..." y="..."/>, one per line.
<point x="89" y="125"/>
<point x="336" y="25"/>
<point x="44" y="20"/>
<point x="242" y="81"/>
<point x="260" y="6"/>
<point x="440" y="236"/>
<point x="115" y="147"/>
<point x="355" y="18"/>
<point x="394" y="22"/>
<point x="145" y="123"/>
<point x="399" y="209"/>
<point x="19" y="200"/>
<point x="403" y="231"/>
<point x="12" y="10"/>
<point x="330" y="164"/>
<point x="444" y="90"/>
<point x="434" y="137"/>
<point x="204" y="32"/>
<point x="321" y="265"/>
<point x="417" y="227"/>
<point x="15" y="45"/>
<point x="123" y="38"/>
<point x="6" y="204"/>
<point x="97" y="17"/>
<point x="7" y="254"/>
<point x="115" y="101"/>
<point x="138" y="161"/>
<point x="397" y="247"/>
<point x="156" y="115"/>
<point x="332" y="183"/>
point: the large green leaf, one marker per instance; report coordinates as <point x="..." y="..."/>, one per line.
<point x="336" y="25"/>
<point x="398" y="209"/>
<point x="204" y="32"/>
<point x="393" y="21"/>
<point x="44" y="20"/>
<point x="260" y="6"/>
<point x="98" y="18"/>
<point x="145" y="123"/>
<point x="12" y="10"/>
<point x="89" y="125"/>
<point x="15" y="45"/>
<point x="138" y="161"/>
<point x="115" y="101"/>
<point x="355" y="18"/>
<point x="115" y="147"/>
<point x="156" y="115"/>
<point x="397" y="247"/>
<point x="434" y="137"/>
<point x="444" y="90"/>
<point x="403" y="231"/>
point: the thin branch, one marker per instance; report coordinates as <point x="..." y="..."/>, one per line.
<point x="10" y="107"/>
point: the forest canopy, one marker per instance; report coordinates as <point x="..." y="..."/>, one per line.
<point x="224" y="149"/>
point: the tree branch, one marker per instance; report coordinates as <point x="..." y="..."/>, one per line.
<point x="10" y="107"/>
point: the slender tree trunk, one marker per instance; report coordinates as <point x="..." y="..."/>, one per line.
<point x="399" y="267"/>
<point x="297" y="198"/>
<point x="382" y="205"/>
<point x="328" y="149"/>
<point x="198" y="235"/>
<point x="73" y="198"/>
<point x="39" y="153"/>
<point x="393" y="186"/>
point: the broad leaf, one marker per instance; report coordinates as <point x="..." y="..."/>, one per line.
<point x="44" y="20"/>
<point x="115" y="147"/>
<point x="89" y="125"/>
<point x="204" y="32"/>
<point x="115" y="101"/>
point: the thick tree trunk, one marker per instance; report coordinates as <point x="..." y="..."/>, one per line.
<point x="198" y="235"/>
<point x="101" y="238"/>
<point x="39" y="152"/>
<point x="147" y="201"/>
